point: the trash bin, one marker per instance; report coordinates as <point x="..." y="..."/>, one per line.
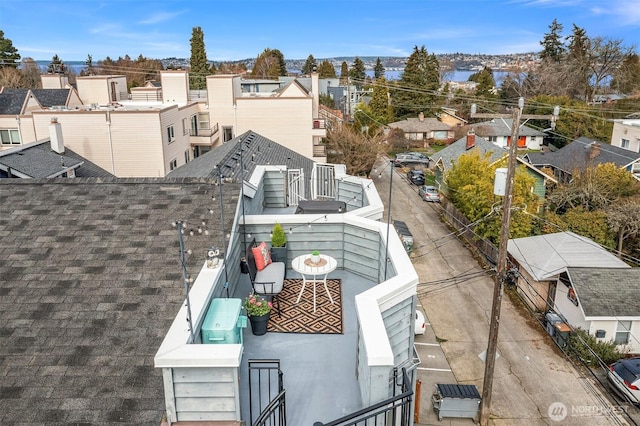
<point x="462" y="401"/>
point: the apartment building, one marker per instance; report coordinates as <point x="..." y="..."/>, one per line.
<point x="626" y="134"/>
<point x="159" y="129"/>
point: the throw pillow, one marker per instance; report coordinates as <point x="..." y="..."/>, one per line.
<point x="261" y="256"/>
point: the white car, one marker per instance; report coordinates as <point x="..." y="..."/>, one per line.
<point x="624" y="377"/>
<point x="420" y="325"/>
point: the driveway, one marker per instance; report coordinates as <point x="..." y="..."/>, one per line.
<point x="534" y="384"/>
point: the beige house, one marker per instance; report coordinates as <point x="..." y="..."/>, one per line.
<point x="154" y="129"/>
<point x="421" y="128"/>
<point x="626" y="134"/>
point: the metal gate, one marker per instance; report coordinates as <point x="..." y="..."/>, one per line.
<point x="295" y="192"/>
<point x="323" y="182"/>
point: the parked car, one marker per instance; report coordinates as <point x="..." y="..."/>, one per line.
<point x="624" y="378"/>
<point x="429" y="193"/>
<point x="416" y="177"/>
<point x="420" y="325"/>
<point x="406" y="158"/>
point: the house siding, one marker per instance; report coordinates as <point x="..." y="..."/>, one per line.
<point x="629" y="130"/>
<point x="175" y="87"/>
<point x="610" y="328"/>
<point x="97" y="89"/>
<point x="535" y="293"/>
<point x="205" y="393"/>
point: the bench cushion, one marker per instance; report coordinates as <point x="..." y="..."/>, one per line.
<point x="272" y="273"/>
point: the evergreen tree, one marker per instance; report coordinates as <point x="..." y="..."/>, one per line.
<point x="282" y="64"/>
<point x="417" y="89"/>
<point x="344" y="73"/>
<point x="56" y="66"/>
<point x="326" y="70"/>
<point x="378" y="69"/>
<point x="357" y="72"/>
<point x="198" y="66"/>
<point x="486" y="83"/>
<point x="379" y="104"/>
<point x="309" y="65"/>
<point x="552" y="45"/>
<point x="578" y="63"/>
<point x="9" y="56"/>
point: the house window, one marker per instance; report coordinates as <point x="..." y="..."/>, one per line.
<point x="622" y="332"/>
<point x="203" y="120"/>
<point x="571" y="295"/>
<point x="170" y="135"/>
<point x="185" y="126"/>
<point x="10" y="136"/>
<point x="173" y="164"/>
<point x="186" y="156"/>
<point x="493" y="139"/>
<point x="624" y="143"/>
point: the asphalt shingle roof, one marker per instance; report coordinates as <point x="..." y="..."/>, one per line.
<point x="256" y="150"/>
<point x="12" y="101"/>
<point x="459" y="147"/>
<point x="579" y="155"/>
<point x="90" y="281"/>
<point x="51" y="97"/>
<point x="415" y="125"/>
<point x="502" y="127"/>
<point x="607" y="292"/>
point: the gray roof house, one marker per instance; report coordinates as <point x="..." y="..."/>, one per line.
<point x="542" y="260"/>
<point x="421" y="128"/>
<point x="95" y="327"/>
<point x="451" y="153"/>
<point x="603" y="301"/>
<point x="499" y="131"/>
<point x="582" y="153"/>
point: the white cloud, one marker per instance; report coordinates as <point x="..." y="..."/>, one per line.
<point x="158" y="17"/>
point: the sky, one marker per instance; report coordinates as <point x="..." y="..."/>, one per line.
<point x="241" y="29"/>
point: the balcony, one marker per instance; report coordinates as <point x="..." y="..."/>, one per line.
<point x="204" y="136"/>
<point x="326" y="376"/>
<point x="318" y="126"/>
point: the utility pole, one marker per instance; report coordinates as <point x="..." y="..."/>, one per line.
<point x="494" y="320"/>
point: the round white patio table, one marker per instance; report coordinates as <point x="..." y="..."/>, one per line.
<point x="304" y="266"/>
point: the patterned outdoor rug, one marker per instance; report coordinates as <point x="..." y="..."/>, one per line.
<point x="300" y="318"/>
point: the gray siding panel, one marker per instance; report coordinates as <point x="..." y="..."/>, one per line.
<point x="205" y="393"/>
<point x="397" y="322"/>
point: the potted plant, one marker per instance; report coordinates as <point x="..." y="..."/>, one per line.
<point x="315" y="257"/>
<point x="258" y="310"/>
<point x="278" y="244"/>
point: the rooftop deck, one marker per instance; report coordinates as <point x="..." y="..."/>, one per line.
<point x="314" y="365"/>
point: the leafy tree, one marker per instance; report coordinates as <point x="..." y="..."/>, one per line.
<point x="9" y="55"/>
<point x="553" y="48"/>
<point x="344" y="74"/>
<point x="594" y="188"/>
<point x="356" y="150"/>
<point x="378" y="69"/>
<point x="586" y="348"/>
<point x="198" y="66"/>
<point x="232" y="68"/>
<point x="470" y="182"/>
<point x="327" y="101"/>
<point x="309" y="65"/>
<point x="56" y="66"/>
<point x="590" y="224"/>
<point x="11" y="78"/>
<point x="326" y="70"/>
<point x="606" y="57"/>
<point x="269" y="64"/>
<point x="137" y="72"/>
<point x="417" y="89"/>
<point x="357" y="72"/>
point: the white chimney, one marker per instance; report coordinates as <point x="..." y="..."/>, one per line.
<point x="315" y="92"/>
<point x="55" y="134"/>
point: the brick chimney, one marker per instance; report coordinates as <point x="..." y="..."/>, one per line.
<point x="421" y="116"/>
<point x="471" y="140"/>
<point x="594" y="150"/>
<point x="55" y="134"/>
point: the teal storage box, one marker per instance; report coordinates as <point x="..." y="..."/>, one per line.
<point x="223" y="323"/>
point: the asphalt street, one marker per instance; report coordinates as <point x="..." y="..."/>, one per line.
<point x="534" y="384"/>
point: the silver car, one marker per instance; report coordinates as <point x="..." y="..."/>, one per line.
<point x="429" y="193"/>
<point x="624" y="377"/>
